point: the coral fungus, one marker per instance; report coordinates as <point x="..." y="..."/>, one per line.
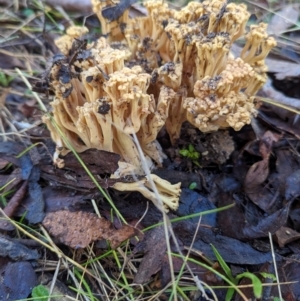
<point x="161" y="69"/>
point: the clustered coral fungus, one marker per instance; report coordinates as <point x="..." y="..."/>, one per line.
<point x="153" y="71"/>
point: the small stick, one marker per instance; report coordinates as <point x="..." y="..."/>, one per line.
<point x="13" y="204"/>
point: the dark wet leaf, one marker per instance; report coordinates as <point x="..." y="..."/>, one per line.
<point x="258" y="193"/>
<point x="193" y="202"/>
<point x="9" y="150"/>
<point x="295" y="218"/>
<point x="174" y="176"/>
<point x="273" y="120"/>
<point x="15" y="250"/>
<point x="98" y="161"/>
<point x="223" y="183"/>
<point x="35" y="208"/>
<point x="15" y="177"/>
<point x="3" y="163"/>
<point x="113" y="13"/>
<point x="63" y="199"/>
<point x="230" y="221"/>
<point x="231" y="250"/>
<point x="9" y="61"/>
<point x="18" y="281"/>
<point x="79" y="229"/>
<point x="286" y="164"/>
<point x="154" y="248"/>
<point x="203" y="274"/>
<point x="292" y="187"/>
<point x="269" y="224"/>
<point x="134" y="206"/>
<point x="73" y="179"/>
<point x="288" y="271"/>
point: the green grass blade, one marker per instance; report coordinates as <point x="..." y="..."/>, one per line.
<point x="257" y="285"/>
<point x="223" y="264"/>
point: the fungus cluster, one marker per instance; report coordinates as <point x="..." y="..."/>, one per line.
<point x="153" y="71"/>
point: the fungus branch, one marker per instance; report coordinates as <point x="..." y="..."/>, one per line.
<point x="161" y="69"/>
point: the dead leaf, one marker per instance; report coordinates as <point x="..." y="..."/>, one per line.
<point x="285" y="235"/>
<point x="154" y="247"/>
<point x="14" y="178"/>
<point x="288" y="271"/>
<point x="193" y="202"/>
<point x="287" y="162"/>
<point x="63" y="199"/>
<point x="18" y="280"/>
<point x="79" y="229"/>
<point x="290" y="125"/>
<point x="282" y="20"/>
<point x="9" y="61"/>
<point x="83" y="6"/>
<point x="232" y="250"/>
<point x="27" y="108"/>
<point x="15" y="250"/>
<point x="203" y="274"/>
<point x="259" y="172"/>
<point x="292" y="187"/>
<point x="295" y="218"/>
<point x="98" y="161"/>
<point x="73" y="179"/>
<point x="9" y="150"/>
<point x="73" y="175"/>
<point x="278" y="97"/>
<point x="269" y="224"/>
<point x="3" y="163"/>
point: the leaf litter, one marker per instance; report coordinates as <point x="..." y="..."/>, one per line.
<point x="79" y="229"/>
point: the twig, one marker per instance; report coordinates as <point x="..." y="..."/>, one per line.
<point x="12" y="205"/>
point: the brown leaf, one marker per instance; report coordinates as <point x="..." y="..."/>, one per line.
<point x="285" y="235"/>
<point x="256" y="175"/>
<point x="73" y="178"/>
<point x="26" y="108"/>
<point x="79" y="229"/>
<point x="73" y="175"/>
<point x="9" y="61"/>
<point x="98" y="161"/>
<point x="266" y="143"/>
<point x="259" y="172"/>
<point x="3" y="163"/>
<point x="154" y="246"/>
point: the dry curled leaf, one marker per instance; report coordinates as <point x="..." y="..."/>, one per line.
<point x="286" y="235"/>
<point x="259" y="172"/>
<point x="79" y="229"/>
